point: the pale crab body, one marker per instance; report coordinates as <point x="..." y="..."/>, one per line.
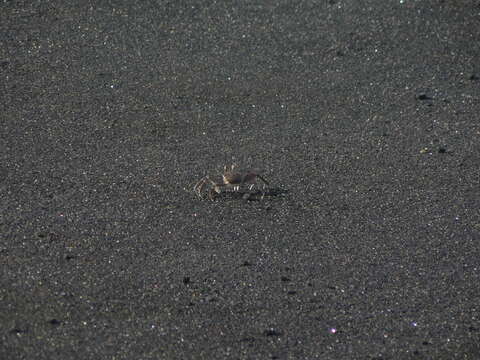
<point x="231" y="178"/>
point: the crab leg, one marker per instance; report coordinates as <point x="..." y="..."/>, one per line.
<point x="199" y="186"/>
<point x="265" y="182"/>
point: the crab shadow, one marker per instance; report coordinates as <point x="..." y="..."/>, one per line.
<point x="251" y="196"/>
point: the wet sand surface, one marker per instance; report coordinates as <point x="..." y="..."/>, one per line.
<point x="362" y="116"/>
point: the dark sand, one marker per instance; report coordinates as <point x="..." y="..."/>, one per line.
<point x="364" y="116"/>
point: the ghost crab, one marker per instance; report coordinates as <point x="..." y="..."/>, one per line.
<point x="231" y="178"/>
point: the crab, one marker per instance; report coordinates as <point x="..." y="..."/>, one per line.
<point x="231" y="178"/>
